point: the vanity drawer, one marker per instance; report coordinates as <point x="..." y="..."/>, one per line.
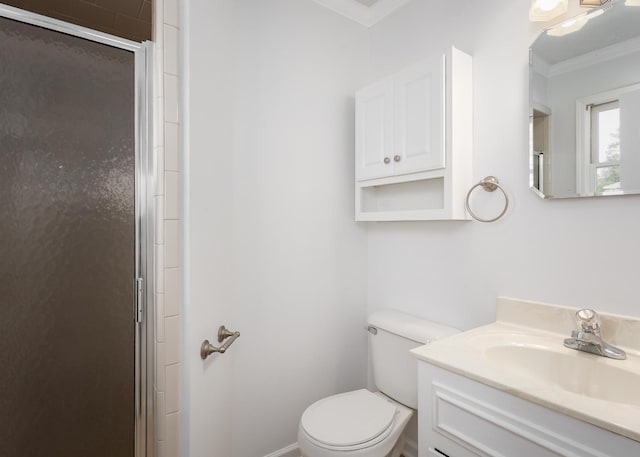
<point x="484" y="429"/>
<point x="465" y="418"/>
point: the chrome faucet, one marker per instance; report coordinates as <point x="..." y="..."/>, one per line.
<point x="588" y="338"/>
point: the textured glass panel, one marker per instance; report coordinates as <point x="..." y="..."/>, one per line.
<point x="66" y="245"/>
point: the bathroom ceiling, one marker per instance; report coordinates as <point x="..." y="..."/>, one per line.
<point x="367" y="3"/>
<point x="365" y="12"/>
<point x="129" y="19"/>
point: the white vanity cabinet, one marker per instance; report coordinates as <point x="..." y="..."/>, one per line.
<point x="460" y="417"/>
<point x="414" y="142"/>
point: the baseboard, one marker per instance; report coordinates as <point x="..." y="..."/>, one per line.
<point x="289" y="451"/>
<point x="410" y="448"/>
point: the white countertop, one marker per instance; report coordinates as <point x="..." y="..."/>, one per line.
<point x="597" y="390"/>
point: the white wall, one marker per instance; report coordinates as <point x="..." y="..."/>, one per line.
<point x="208" y="160"/>
<point x="572" y="252"/>
<point x="272" y="248"/>
<point x="299" y="260"/>
<point x="274" y="251"/>
<point x="630" y="140"/>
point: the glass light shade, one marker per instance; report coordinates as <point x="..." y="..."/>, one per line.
<point x="592" y="3"/>
<point x="545" y="10"/>
<point x="573" y="24"/>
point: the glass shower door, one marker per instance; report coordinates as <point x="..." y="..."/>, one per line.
<point x="67" y="245"/>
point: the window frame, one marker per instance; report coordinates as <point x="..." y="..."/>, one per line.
<point x="585" y="169"/>
<point x="594" y="144"/>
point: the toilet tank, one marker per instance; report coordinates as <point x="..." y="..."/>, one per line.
<point x="391" y="335"/>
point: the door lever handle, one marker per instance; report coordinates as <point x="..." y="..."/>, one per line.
<point x="206" y="349"/>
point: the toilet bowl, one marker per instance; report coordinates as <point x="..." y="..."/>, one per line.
<point x="366" y="424"/>
<point x="354" y="424"/>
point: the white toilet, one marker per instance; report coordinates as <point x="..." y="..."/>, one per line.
<point x="366" y="424"/>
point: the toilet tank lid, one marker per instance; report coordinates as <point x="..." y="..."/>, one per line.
<point x="410" y="327"/>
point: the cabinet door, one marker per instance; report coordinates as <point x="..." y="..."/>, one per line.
<point x="374" y="131"/>
<point x="420" y="117"/>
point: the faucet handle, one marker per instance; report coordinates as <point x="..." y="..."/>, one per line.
<point x="588" y="321"/>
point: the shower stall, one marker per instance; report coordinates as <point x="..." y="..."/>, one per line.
<point x="76" y="310"/>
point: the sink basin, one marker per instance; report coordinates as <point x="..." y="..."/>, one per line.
<point x="522" y="354"/>
<point x="583" y="374"/>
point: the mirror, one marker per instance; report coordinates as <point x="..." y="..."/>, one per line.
<point x="585" y="104"/>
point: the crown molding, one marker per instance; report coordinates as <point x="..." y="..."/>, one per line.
<point x="360" y="13"/>
<point x="594" y="57"/>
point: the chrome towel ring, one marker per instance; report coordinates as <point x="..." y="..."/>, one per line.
<point x="489" y="184"/>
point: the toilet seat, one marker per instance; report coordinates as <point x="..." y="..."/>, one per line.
<point x="350" y="421"/>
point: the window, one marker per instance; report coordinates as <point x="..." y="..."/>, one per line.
<point x="606" y="123"/>
<point x="605" y="148"/>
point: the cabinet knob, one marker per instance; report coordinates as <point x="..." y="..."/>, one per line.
<point x="387" y="160"/>
<point x="397" y="158"/>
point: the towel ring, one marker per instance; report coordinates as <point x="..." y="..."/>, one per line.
<point x="489" y="184"/>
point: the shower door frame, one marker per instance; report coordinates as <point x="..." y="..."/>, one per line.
<point x="143" y="304"/>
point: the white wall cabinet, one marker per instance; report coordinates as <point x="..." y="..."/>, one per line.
<point x="414" y="142"/>
<point x="400" y="122"/>
<point x="459" y="417"/>
<point x="374" y="127"/>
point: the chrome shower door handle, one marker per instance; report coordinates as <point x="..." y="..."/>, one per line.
<point x="206" y="349"/>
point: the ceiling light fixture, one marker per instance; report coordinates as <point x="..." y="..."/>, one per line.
<point x="592" y="3"/>
<point x="545" y="10"/>
<point x="632" y="2"/>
